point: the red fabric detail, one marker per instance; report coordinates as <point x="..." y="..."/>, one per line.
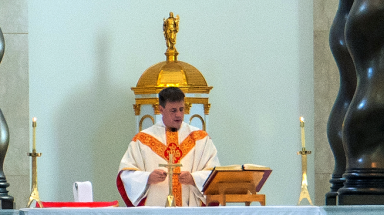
<point x="77" y="204"/>
<point x="150" y="141"/>
<point x="159" y="148"/>
<point x="120" y="188"/>
<point x="213" y="204"/>
<point x="189" y="142"/>
<point x="175" y="150"/>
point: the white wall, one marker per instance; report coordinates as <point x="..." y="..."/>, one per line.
<point x="86" y="55"/>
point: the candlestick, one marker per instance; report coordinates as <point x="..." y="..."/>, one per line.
<point x="304" y="194"/>
<point x="35" y="193"/>
<point x="302" y="132"/>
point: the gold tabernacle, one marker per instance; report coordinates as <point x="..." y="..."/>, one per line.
<point x="171" y="73"/>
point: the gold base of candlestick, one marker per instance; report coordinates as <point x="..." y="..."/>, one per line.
<point x="34" y="194"/>
<point x="170" y="201"/>
<point x="304" y="194"/>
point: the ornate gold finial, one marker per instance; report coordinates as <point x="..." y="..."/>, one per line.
<point x="170" y="29"/>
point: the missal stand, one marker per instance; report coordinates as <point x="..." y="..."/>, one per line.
<point x="236" y="183"/>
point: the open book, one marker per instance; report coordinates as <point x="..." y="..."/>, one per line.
<point x="251" y="175"/>
<point x="237" y="167"/>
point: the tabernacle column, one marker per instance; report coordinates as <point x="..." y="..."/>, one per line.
<point x="363" y="132"/>
<point x="346" y="91"/>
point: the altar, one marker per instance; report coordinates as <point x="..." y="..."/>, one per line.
<point x="264" y="210"/>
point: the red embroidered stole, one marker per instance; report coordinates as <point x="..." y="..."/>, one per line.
<point x="173" y="147"/>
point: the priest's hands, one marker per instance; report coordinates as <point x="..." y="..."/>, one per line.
<point x="185" y="177"/>
<point x="158" y="175"/>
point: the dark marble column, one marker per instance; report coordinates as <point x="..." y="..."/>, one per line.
<point x="2" y="45"/>
<point x="6" y="201"/>
<point x="363" y="132"/>
<point x="346" y="91"/>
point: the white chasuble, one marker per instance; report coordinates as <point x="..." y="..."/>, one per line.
<point x="190" y="147"/>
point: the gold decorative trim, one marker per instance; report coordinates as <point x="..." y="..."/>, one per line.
<point x="156" y="109"/>
<point x="195" y="100"/>
<point x="204" y="101"/>
<point x="156" y="90"/>
<point x="192" y="100"/>
<point x="136" y="108"/>
<point x="147" y="101"/>
<point x="201" y="119"/>
<point x="155" y="104"/>
<point x="143" y="118"/>
<point x="187" y="107"/>
<point x="206" y="108"/>
<point x="129" y="168"/>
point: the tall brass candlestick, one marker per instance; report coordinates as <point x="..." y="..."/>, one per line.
<point x="35" y="193"/>
<point x="304" y="194"/>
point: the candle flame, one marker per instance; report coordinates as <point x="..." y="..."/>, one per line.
<point x="34" y="119"/>
<point x="301" y="119"/>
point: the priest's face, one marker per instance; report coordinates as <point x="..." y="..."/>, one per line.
<point x="173" y="114"/>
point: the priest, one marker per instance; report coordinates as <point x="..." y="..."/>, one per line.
<point x="141" y="181"/>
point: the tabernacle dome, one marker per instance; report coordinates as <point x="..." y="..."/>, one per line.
<point x="171" y="73"/>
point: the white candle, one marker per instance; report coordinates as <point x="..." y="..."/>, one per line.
<point x="34" y="133"/>
<point x="302" y="132"/>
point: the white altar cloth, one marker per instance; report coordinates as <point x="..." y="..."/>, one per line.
<point x="238" y="210"/>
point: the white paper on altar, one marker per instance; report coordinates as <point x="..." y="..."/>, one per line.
<point x="82" y="191"/>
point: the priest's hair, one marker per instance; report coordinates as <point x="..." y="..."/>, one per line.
<point x="170" y="94"/>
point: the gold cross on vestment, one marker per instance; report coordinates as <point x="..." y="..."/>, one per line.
<point x="170" y="165"/>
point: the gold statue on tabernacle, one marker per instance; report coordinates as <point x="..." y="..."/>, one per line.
<point x="170" y="29"/>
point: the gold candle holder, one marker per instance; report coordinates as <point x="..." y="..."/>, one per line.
<point x="304" y="194"/>
<point x="35" y="193"/>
